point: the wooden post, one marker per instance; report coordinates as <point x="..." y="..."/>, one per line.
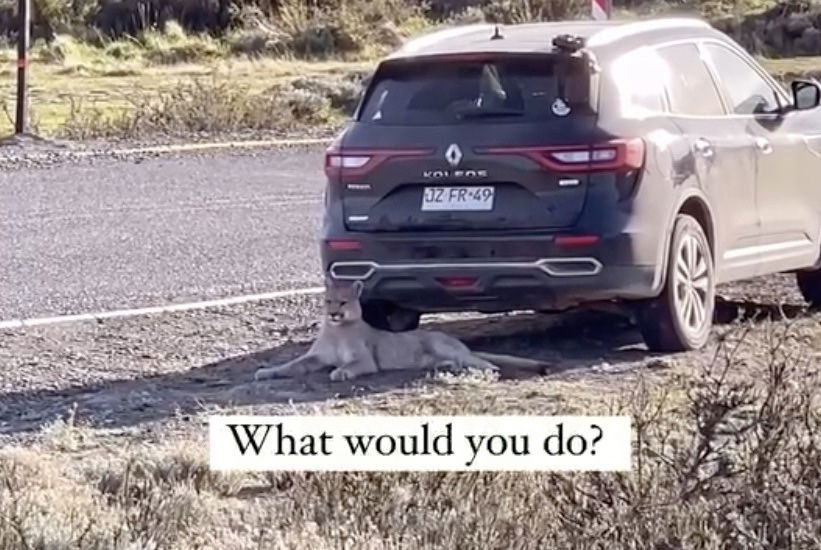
<point x="24" y="15"/>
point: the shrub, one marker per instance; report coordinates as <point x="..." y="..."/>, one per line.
<point x="205" y="106"/>
<point x="726" y="454"/>
<point x="342" y="93"/>
<point x="173" y="45"/>
<point x="522" y="11"/>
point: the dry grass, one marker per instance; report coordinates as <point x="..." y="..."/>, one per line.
<point x="205" y="106"/>
<point x="798" y="67"/>
<point x="725" y="456"/>
<point x="59" y="96"/>
<point x="104" y="86"/>
<point x="124" y="87"/>
<point x="87" y="99"/>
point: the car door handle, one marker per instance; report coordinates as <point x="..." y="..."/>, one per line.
<point x="763" y="145"/>
<point x="704" y="148"/>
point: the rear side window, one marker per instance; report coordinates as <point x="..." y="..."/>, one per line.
<point x="640" y="78"/>
<point x="690" y="87"/>
<point x="444" y="93"/>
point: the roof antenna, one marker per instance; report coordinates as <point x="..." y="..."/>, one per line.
<point x="497" y="34"/>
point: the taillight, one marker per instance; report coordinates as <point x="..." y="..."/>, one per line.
<point x="340" y="244"/>
<point x="576" y="241"/>
<point x="616" y="155"/>
<point x="359" y="162"/>
<point x="346" y="161"/>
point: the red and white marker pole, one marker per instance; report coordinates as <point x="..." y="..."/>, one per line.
<point x="24" y="22"/>
<point x="600" y="9"/>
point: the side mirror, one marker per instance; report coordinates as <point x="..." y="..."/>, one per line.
<point x="806" y="94"/>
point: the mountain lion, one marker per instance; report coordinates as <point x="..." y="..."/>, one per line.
<point x="353" y="348"/>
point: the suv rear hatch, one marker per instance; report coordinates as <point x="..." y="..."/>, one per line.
<point x="469" y="142"/>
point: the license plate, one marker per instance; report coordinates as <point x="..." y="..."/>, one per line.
<point x="458" y="198"/>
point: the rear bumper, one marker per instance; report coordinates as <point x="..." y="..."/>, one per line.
<point x="556" y="279"/>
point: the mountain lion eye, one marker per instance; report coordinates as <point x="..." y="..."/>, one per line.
<point x="342" y="303"/>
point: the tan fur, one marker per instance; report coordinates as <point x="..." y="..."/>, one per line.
<point x="353" y="348"/>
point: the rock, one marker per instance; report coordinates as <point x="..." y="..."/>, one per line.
<point x="603" y="367"/>
<point x="659" y="363"/>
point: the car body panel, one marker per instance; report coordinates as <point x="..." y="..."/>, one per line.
<point x="518" y="257"/>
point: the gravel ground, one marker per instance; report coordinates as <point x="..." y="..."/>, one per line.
<point x="40" y="152"/>
<point x="159" y="370"/>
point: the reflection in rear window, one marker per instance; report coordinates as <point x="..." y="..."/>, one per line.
<point x="450" y="93"/>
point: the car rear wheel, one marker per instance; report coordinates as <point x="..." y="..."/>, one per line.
<point x="386" y="316"/>
<point x="681" y="317"/>
<point x="809" y="283"/>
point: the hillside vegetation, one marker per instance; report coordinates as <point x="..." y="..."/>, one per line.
<point x="309" y="27"/>
<point x="126" y="68"/>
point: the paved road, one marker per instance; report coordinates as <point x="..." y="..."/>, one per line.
<point x="123" y="234"/>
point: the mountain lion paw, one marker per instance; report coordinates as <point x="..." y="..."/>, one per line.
<point x="340" y="375"/>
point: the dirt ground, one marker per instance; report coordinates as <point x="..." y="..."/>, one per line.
<point x="103" y="435"/>
<point x="158" y="369"/>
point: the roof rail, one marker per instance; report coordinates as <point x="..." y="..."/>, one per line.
<point x="438" y="36"/>
<point x="612" y="34"/>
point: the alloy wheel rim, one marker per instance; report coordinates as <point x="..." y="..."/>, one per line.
<point x="692" y="285"/>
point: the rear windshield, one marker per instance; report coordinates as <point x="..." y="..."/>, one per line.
<point x="504" y="90"/>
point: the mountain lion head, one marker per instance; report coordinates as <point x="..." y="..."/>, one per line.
<point x="342" y="302"/>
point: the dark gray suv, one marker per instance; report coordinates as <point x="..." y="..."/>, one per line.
<point x="543" y="166"/>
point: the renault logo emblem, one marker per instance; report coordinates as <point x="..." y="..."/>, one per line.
<point x="453" y="155"/>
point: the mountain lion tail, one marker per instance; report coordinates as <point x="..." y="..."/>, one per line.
<point x="513" y="362"/>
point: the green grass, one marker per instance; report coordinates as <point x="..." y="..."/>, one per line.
<point x="110" y="89"/>
<point x="796" y="67"/>
<point x="68" y="76"/>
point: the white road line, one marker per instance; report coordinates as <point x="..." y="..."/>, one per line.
<point x="41" y="321"/>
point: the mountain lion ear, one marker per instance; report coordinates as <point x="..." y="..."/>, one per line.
<point x="357" y="288"/>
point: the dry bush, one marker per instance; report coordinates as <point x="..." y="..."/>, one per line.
<point x="524" y="11"/>
<point x="40" y="508"/>
<point x="342" y="93"/>
<point x="727" y="456"/>
<point x="733" y="460"/>
<point x="174" y="45"/>
<point x="149" y="499"/>
<point x="147" y="469"/>
<point x="310" y="27"/>
<point x="336" y="28"/>
<point x="205" y="106"/>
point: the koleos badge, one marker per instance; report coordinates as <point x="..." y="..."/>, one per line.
<point x="560" y="108"/>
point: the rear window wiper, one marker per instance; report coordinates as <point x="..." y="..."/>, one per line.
<point x="480" y="112"/>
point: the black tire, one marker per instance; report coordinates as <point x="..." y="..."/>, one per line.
<point x="386" y="316"/>
<point x="809" y="283"/>
<point x="667" y="322"/>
